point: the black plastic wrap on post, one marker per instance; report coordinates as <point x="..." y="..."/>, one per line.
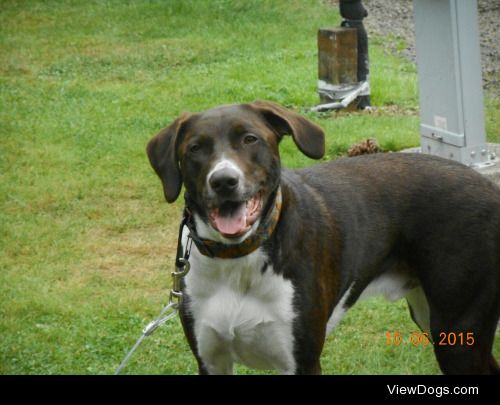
<point x="353" y="13"/>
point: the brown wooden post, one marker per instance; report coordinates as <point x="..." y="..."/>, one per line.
<point x="337" y="57"/>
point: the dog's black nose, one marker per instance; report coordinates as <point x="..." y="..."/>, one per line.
<point x="224" y="181"/>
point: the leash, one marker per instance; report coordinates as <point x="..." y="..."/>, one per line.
<point x="170" y="310"/>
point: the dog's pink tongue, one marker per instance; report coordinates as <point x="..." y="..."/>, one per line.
<point x="231" y="225"/>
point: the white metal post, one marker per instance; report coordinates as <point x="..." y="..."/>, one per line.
<point x="450" y="85"/>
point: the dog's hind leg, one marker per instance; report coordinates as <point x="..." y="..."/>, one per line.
<point x="420" y="313"/>
<point x="464" y="346"/>
<point x="461" y="282"/>
<point x="463" y="320"/>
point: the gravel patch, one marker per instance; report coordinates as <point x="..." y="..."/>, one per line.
<point x="394" y="19"/>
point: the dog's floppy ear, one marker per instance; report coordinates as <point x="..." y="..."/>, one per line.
<point x="162" y="153"/>
<point x="308" y="137"/>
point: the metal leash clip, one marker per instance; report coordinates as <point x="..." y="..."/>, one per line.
<point x="181" y="270"/>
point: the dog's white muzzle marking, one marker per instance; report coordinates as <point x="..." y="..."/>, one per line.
<point x="224" y="163"/>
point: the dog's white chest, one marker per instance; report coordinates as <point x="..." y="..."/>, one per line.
<point x="241" y="313"/>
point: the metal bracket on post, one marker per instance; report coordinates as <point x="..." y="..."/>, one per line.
<point x="449" y="72"/>
<point x="344" y="93"/>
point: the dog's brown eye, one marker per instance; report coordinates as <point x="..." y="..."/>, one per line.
<point x="194" y="148"/>
<point x="249" y="139"/>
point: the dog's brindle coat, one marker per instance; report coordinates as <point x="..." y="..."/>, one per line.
<point x="401" y="224"/>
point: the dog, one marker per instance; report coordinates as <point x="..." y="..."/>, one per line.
<point x="280" y="255"/>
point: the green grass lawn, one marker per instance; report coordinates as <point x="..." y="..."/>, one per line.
<point x="86" y="239"/>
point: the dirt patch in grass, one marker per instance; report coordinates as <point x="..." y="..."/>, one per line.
<point x="130" y="251"/>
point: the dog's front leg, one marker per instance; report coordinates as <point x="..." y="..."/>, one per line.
<point x="208" y="348"/>
<point x="213" y="352"/>
<point x="310" y="369"/>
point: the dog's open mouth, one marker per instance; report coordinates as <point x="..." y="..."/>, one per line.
<point x="234" y="219"/>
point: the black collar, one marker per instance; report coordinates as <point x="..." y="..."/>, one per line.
<point x="212" y="248"/>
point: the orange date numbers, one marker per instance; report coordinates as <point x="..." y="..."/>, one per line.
<point x="423" y="339"/>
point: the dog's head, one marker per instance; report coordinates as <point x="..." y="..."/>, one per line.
<point x="228" y="159"/>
